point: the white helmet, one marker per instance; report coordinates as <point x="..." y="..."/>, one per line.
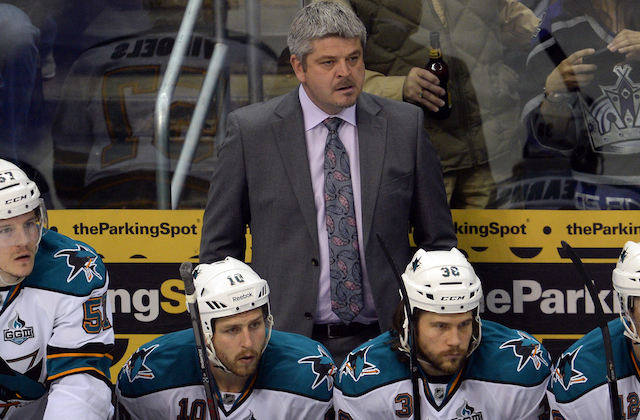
<point x="442" y="281"/>
<point x="18" y="194"/>
<point x="445" y="283"/>
<point x="226" y="288"/>
<point x="626" y="282"/>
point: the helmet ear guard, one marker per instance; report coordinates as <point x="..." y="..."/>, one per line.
<point x="226" y="288"/>
<point x="442" y="282"/>
<point x="626" y="283"/>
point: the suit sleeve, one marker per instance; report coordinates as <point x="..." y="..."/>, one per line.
<point x="430" y="218"/>
<point x="227" y="213"/>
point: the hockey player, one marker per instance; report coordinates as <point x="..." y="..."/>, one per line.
<point x="503" y="376"/>
<point x="258" y="373"/>
<point x="55" y="314"/>
<point x="104" y="146"/>
<point x="578" y="388"/>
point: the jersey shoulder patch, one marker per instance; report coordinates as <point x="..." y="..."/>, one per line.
<point x="169" y="361"/>
<point x="66" y="266"/>
<point x="297" y="364"/>
<point x="582" y="367"/>
<point x="509" y="356"/>
<point x="371" y="365"/>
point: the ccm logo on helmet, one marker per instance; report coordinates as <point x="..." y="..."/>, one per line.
<point x="452" y="298"/>
<point x="242" y="297"/>
<point x="15" y="199"/>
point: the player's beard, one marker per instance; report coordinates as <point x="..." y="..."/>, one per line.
<point x="241" y="369"/>
<point x="442" y="363"/>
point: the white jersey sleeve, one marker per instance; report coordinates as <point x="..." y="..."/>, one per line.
<point x="392" y="401"/>
<point x="79" y="394"/>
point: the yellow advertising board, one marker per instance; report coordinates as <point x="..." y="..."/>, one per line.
<point x="528" y="281"/>
<point x="535" y="235"/>
<point x="485" y="235"/>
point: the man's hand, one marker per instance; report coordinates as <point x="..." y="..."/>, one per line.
<point x="421" y="88"/>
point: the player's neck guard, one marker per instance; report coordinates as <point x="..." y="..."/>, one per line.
<point x="5" y="279"/>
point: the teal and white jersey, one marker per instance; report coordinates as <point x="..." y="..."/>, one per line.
<point x="578" y="387"/>
<point x="162" y="380"/>
<point x="57" y="329"/>
<point x="504" y="379"/>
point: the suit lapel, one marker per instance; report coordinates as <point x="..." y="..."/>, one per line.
<point x="288" y="129"/>
<point x="372" y="131"/>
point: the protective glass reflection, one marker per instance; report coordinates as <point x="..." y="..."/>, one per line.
<point x="14" y="234"/>
<point x="20" y="234"/>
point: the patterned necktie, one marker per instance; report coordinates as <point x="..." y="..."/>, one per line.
<point x="344" y="254"/>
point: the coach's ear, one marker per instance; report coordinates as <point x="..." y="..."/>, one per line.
<point x="298" y="68"/>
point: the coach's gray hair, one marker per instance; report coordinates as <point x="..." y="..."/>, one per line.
<point x="320" y="20"/>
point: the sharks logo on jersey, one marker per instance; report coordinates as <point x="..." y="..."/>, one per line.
<point x="526" y="348"/>
<point x="18" y="332"/>
<point x="466" y="412"/>
<point x="322" y="367"/>
<point x="81" y="259"/>
<point x="135" y="368"/>
<point x="16" y="386"/>
<point x="357" y="366"/>
<point x="565" y="372"/>
<point x="250" y="416"/>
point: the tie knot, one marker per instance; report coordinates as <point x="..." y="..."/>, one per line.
<point x="332" y="123"/>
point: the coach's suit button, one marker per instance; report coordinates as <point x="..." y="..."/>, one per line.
<point x="307" y="315"/>
<point x="314" y="262"/>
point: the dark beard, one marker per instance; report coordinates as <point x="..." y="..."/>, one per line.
<point x="446" y="370"/>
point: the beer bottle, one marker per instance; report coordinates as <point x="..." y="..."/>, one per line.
<point x="438" y="67"/>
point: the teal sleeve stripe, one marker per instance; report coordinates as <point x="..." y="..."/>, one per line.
<point x="70" y="363"/>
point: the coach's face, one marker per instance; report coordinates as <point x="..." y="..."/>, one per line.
<point x="239" y="340"/>
<point x="333" y="73"/>
<point x="443" y="341"/>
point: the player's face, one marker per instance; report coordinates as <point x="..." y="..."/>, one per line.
<point x="18" y="244"/>
<point x="333" y="74"/>
<point x="239" y="340"/>
<point x="443" y="340"/>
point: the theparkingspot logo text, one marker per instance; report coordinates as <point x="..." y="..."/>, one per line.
<point x="493" y="228"/>
<point x="602" y="229"/>
<point x="135" y="229"/>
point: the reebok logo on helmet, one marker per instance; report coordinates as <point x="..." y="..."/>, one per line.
<point x="241" y="297"/>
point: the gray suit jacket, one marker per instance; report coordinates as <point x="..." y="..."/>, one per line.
<point x="262" y="179"/>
